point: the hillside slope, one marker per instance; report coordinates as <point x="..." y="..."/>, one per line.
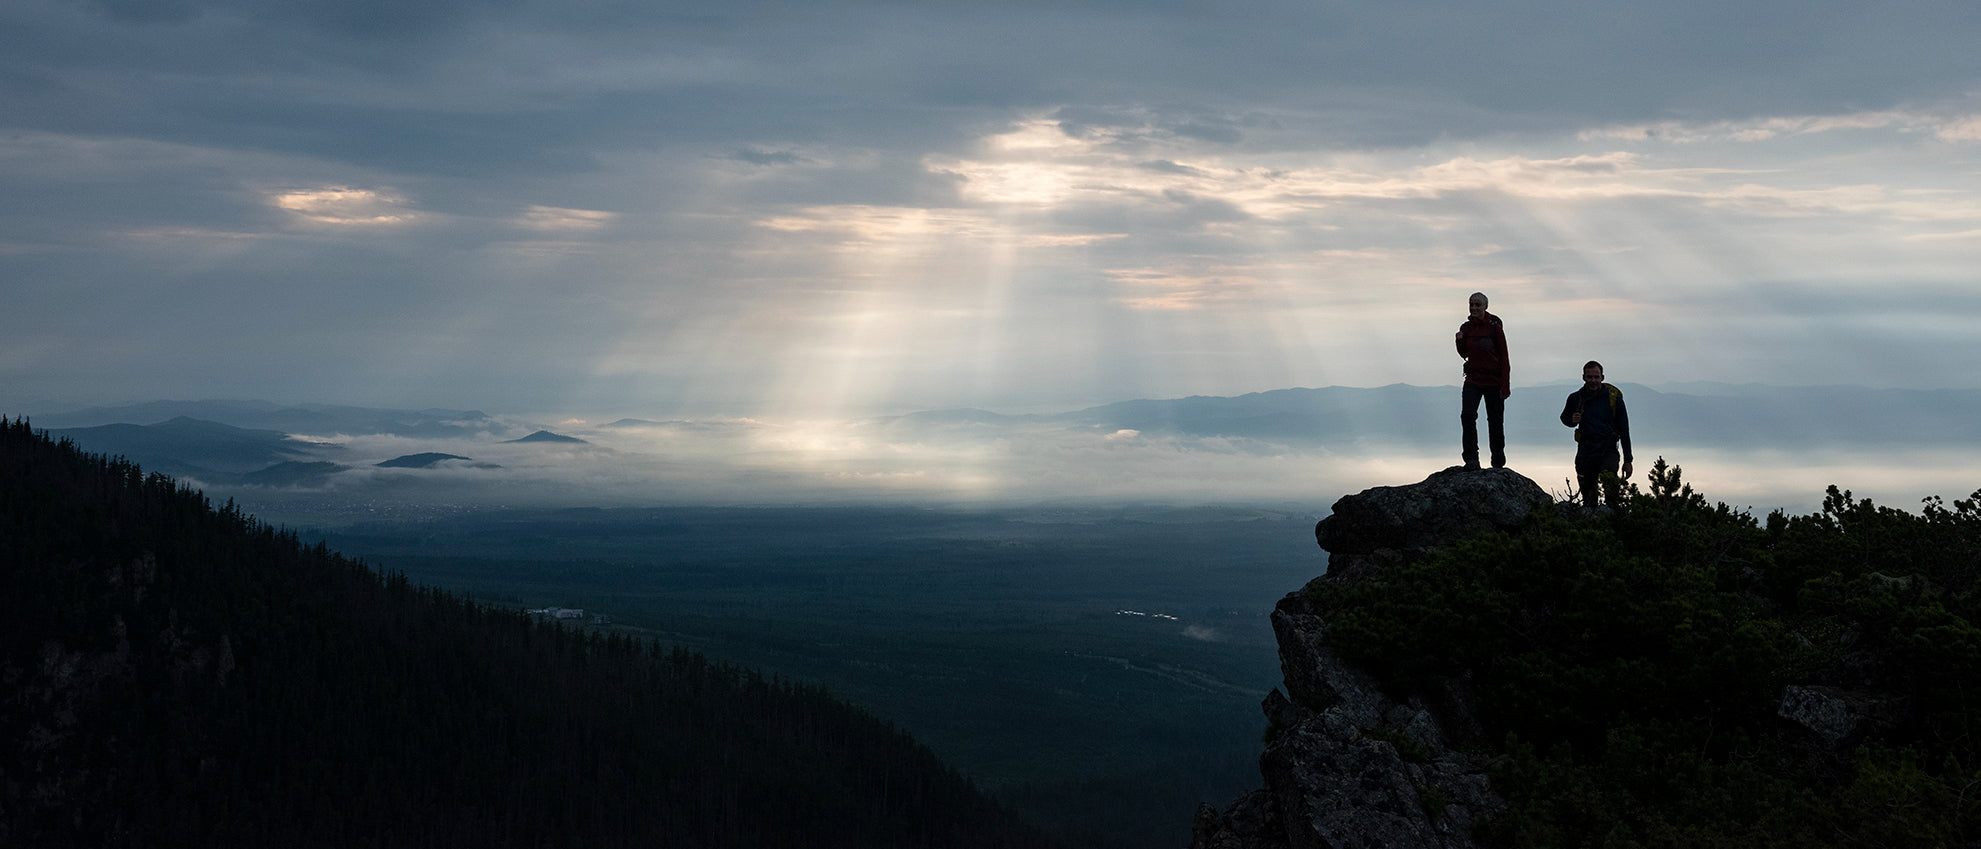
<point x="176" y="674"/>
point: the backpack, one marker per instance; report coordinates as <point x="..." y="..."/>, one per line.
<point x="1582" y="403"/>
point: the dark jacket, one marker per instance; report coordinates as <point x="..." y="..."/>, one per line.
<point x="1605" y="419"/>
<point x="1482" y="342"/>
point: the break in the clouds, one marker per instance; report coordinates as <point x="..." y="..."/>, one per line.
<point x="834" y="209"/>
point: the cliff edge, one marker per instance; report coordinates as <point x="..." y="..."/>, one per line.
<point x="1345" y="764"/>
<point x="1663" y="673"/>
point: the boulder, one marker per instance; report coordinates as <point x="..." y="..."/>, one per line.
<point x="1386" y="525"/>
<point x="1837" y="716"/>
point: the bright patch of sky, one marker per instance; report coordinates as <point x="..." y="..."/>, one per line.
<point x="815" y="211"/>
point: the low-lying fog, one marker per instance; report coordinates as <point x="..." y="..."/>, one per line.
<point x="1010" y="462"/>
<point x="1293" y="450"/>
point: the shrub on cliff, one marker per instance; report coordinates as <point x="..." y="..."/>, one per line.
<point x="1628" y="671"/>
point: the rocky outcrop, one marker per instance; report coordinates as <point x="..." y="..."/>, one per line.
<point x="1386" y="525"/>
<point x="1838" y="717"/>
<point x="1346" y="764"/>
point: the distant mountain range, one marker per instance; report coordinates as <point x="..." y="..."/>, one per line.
<point x="254" y="443"/>
<point x="214" y="452"/>
<point x="186" y="446"/>
<point x="318" y="419"/>
<point x="1750" y="416"/>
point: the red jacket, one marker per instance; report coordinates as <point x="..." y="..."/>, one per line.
<point x="1482" y="342"/>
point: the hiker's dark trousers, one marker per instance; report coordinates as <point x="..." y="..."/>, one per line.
<point x="1495" y="423"/>
<point x="1591" y="461"/>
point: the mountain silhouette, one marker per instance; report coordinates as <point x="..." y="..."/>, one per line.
<point x="318" y="419"/>
<point x="294" y="473"/>
<point x="547" y="436"/>
<point x="425" y="460"/>
<point x="189" y="446"/>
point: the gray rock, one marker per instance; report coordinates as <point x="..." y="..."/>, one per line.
<point x="1315" y="677"/>
<point x="1336" y="786"/>
<point x="1348" y="765"/>
<point x="1341" y="790"/>
<point x="1819" y="711"/>
<point x="1836" y="716"/>
<point x="1388" y="524"/>
<point x="1332" y="784"/>
<point x="1253" y="822"/>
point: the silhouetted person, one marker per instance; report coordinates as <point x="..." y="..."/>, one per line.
<point x="1600" y="420"/>
<point x="1488" y="375"/>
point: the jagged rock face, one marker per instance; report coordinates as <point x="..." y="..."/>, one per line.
<point x="1253" y="822"/>
<point x="1336" y="785"/>
<point x="1314" y="676"/>
<point x="1347" y="765"/>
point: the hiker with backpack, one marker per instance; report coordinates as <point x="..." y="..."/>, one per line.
<point x="1600" y="420"/>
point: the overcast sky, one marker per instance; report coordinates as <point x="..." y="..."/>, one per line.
<point x="835" y="208"/>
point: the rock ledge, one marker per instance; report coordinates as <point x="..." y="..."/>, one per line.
<point x="1345" y="764"/>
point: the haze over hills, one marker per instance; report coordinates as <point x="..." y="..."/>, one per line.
<point x="294" y="474"/>
<point x="1720" y="414"/>
<point x="1683" y="412"/>
<point x="189" y="446"/>
<point x="1693" y="414"/>
<point x="319" y="419"/>
<point x="1776" y="445"/>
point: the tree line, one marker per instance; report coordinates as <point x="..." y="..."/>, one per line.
<point x="175" y="672"/>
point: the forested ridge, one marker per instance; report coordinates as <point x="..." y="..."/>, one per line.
<point x="1677" y="674"/>
<point x="176" y="673"/>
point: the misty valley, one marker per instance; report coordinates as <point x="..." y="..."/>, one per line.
<point x="1071" y="610"/>
<point x="1100" y="669"/>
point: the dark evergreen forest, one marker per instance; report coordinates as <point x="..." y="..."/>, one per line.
<point x="176" y="673"/>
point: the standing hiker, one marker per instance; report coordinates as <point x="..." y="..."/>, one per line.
<point x="1482" y="343"/>
<point x="1600" y="420"/>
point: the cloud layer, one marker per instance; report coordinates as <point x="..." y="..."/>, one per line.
<point x="825" y="210"/>
<point x="1752" y="446"/>
<point x="815" y="462"/>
